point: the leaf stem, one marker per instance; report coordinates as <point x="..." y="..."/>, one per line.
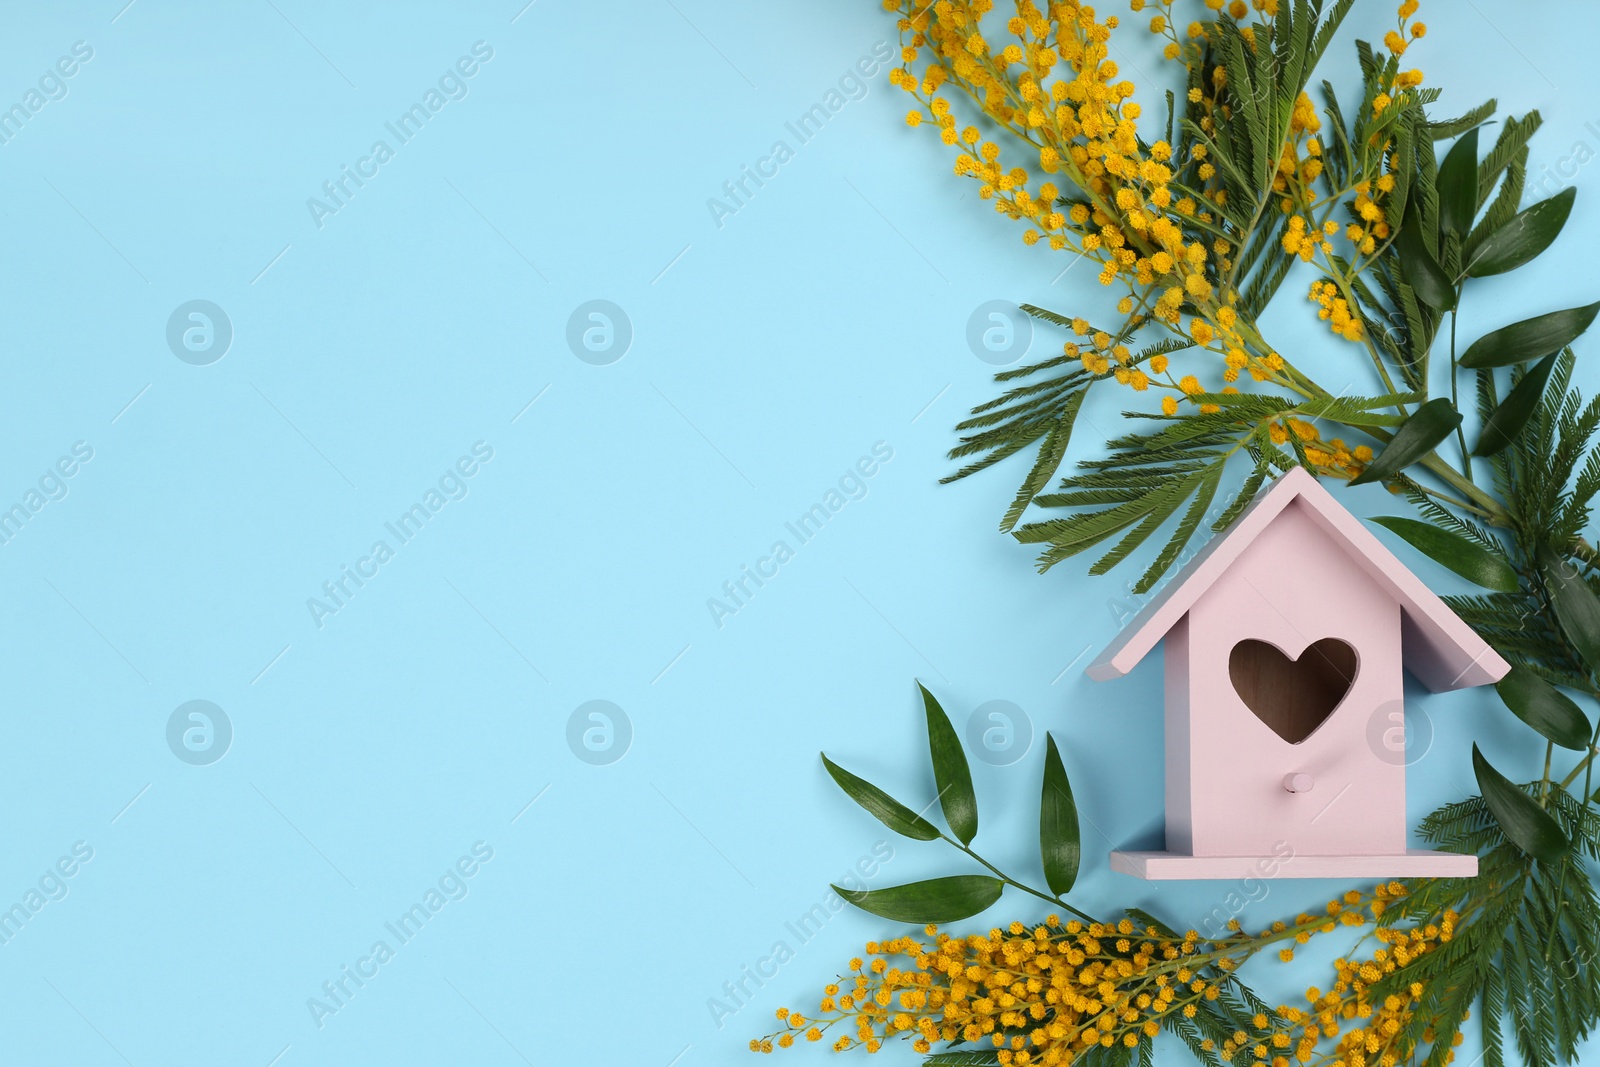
<point x="1008" y="880"/>
<point x="1544" y="784"/>
<point x="1583" y="767"/>
<point x="1583" y="814"/>
<point x="1497" y="513"/>
<point x="1461" y="438"/>
<point x="1453" y="501"/>
<point x="1366" y="336"/>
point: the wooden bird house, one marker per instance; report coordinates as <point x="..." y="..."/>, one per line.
<point x="1285" y="644"/>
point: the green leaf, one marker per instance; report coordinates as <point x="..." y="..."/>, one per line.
<point x="983" y="1057"/>
<point x="1427" y="426"/>
<point x="1186" y="528"/>
<point x="1059" y="846"/>
<point x="1545" y="708"/>
<point x="950" y="771"/>
<point x="889" y="811"/>
<point x="1532" y="338"/>
<point x="1524" y="236"/>
<point x="1458" y="185"/>
<point x="1465" y="557"/>
<point x="1513" y="414"/>
<point x="1514" y="137"/>
<point x="1448" y="128"/>
<point x="1576" y="606"/>
<point x="1525" y="823"/>
<point x="1051" y="453"/>
<point x="1428" y="280"/>
<point x="937" y="900"/>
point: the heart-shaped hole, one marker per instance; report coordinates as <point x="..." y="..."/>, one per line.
<point x="1292" y="696"/>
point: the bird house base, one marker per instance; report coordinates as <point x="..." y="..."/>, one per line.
<point x="1413" y="863"/>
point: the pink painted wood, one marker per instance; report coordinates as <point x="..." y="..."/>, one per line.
<point x="1415" y="863"/>
<point x="1296" y="568"/>
<point x="1441" y="650"/>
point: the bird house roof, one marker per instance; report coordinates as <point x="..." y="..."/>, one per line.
<point x="1441" y="650"/>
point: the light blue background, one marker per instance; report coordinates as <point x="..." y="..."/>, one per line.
<point x="768" y="355"/>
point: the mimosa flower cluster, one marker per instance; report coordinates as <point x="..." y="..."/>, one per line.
<point x="1081" y="177"/>
<point x="1049" y="993"/>
<point x="1371" y="1028"/>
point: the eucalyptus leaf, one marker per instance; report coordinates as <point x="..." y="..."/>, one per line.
<point x="1060" y="848"/>
<point x="1514" y="412"/>
<point x="1427" y="426"/>
<point x="950" y="771"/>
<point x="1525" y="823"/>
<point x="1428" y="280"/>
<point x="1458" y="185"/>
<point x="889" y="811"/>
<point x="936" y="900"/>
<point x="1466" y="558"/>
<point x="1576" y="606"/>
<point x="1524" y="235"/>
<point x="1545" y="708"/>
<point x="1532" y="338"/>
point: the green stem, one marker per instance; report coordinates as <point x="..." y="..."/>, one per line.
<point x="1008" y="880"/>
<point x="1544" y="782"/>
<point x="1496" y="512"/>
<point x="1366" y="337"/>
<point x="1584" y="766"/>
<point x="1588" y="768"/>
<point x="1490" y="508"/>
<point x="1583" y="813"/>
<point x="1461" y="438"/>
<point x="1460" y="505"/>
<point x="1561" y="902"/>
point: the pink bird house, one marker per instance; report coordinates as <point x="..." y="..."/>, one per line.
<point x="1285" y="726"/>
